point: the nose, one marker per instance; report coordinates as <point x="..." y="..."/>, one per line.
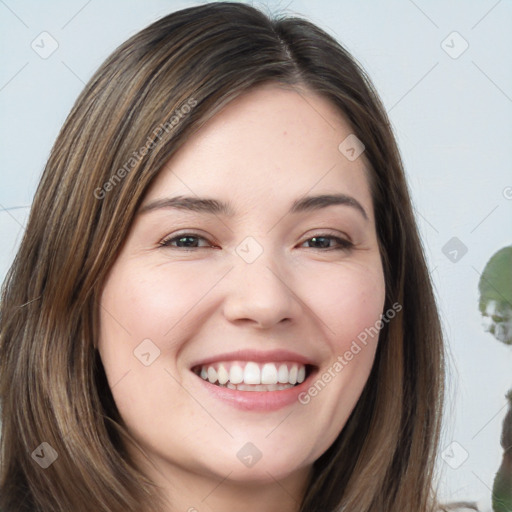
<point x="261" y="294"/>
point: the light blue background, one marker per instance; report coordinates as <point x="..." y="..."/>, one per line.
<point x="452" y="119"/>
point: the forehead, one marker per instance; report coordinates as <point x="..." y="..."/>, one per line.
<point x="271" y="142"/>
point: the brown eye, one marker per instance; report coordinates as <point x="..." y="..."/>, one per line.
<point x="187" y="241"/>
<point x="323" y="242"/>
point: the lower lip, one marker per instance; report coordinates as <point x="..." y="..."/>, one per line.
<point x="257" y="400"/>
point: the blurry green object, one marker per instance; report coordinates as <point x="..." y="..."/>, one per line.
<point x="502" y="489"/>
<point x="495" y="288"/>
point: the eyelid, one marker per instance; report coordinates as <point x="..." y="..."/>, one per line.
<point x="328" y="232"/>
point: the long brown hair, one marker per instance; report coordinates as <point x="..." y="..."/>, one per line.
<point x="153" y="92"/>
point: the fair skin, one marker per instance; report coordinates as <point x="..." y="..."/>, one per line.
<point x="206" y="297"/>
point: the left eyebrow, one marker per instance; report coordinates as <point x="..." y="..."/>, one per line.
<point x="216" y="207"/>
<point x="310" y="203"/>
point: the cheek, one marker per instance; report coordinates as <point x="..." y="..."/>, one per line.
<point x="349" y="314"/>
<point x="145" y="316"/>
<point x="348" y="300"/>
<point x="138" y="311"/>
<point x="151" y="303"/>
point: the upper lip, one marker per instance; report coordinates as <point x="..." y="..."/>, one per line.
<point x="257" y="356"/>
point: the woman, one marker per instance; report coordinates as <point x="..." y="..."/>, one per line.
<point x="221" y="300"/>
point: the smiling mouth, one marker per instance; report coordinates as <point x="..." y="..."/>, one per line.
<point x="252" y="376"/>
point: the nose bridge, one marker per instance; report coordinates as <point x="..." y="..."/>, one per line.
<point x="260" y="289"/>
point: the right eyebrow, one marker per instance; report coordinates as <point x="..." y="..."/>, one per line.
<point x="195" y="204"/>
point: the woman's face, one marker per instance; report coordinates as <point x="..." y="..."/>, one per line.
<point x="250" y="283"/>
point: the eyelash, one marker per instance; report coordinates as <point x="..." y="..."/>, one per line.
<point x="343" y="245"/>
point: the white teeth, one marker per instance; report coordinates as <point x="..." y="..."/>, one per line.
<point x="252" y="374"/>
<point x="262" y="387"/>
<point x="212" y="374"/>
<point x="222" y="374"/>
<point x="292" y="377"/>
<point x="269" y="374"/>
<point x="282" y="376"/>
<point x="301" y="375"/>
<point x="236" y="374"/>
